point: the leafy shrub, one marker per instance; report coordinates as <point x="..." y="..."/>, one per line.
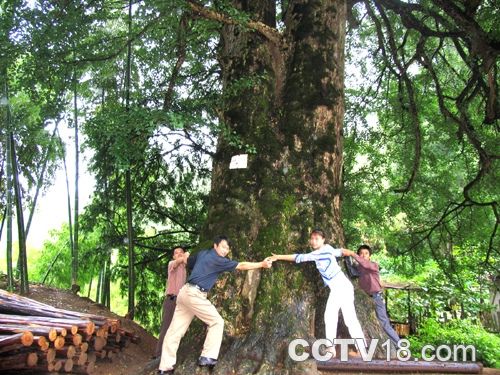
<point x="459" y="332"/>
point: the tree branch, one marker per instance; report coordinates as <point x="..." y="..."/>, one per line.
<point x="405" y="11"/>
<point x="181" y="57"/>
<point x="120" y="50"/>
<point x="162" y="233"/>
<point x="266" y="31"/>
<point x="407" y="83"/>
<point x="493" y="233"/>
<point x="483" y="44"/>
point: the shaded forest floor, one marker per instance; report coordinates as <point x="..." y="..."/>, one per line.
<point x="136" y="359"/>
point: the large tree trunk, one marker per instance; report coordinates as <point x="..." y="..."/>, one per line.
<point x="285" y="103"/>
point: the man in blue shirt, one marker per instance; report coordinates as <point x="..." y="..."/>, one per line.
<point x="341" y="290"/>
<point x="192" y="301"/>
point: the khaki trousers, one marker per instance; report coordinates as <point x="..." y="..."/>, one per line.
<point x="192" y="302"/>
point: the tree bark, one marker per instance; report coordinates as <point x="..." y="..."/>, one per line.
<point x="284" y="102"/>
<point x="74" y="258"/>
<point x="128" y="185"/>
<point x="23" y="256"/>
<point x="8" y="166"/>
<point x="40" y="180"/>
<point x="68" y="195"/>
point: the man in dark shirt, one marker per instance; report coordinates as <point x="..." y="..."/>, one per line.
<point x="369" y="281"/>
<point x="192" y="301"/>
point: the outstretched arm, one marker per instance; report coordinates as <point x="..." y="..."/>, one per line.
<point x="245" y="266"/>
<point x="348" y="253"/>
<point x="182" y="260"/>
<point x="286" y="257"/>
<point x="362" y="262"/>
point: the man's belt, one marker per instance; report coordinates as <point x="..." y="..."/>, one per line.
<point x="376" y="293"/>
<point x="198" y="287"/>
<point x="171" y="296"/>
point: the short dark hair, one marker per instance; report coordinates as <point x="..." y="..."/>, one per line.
<point x="366" y="247"/>
<point x="220" y="238"/>
<point x="318" y="231"/>
<point x="178" y="247"/>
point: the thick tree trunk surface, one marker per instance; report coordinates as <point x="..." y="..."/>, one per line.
<point x="284" y="106"/>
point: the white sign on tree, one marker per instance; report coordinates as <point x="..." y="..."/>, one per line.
<point x="239" y="161"/>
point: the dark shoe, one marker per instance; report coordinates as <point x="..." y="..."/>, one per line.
<point x="166" y="372"/>
<point x="205" y="361"/>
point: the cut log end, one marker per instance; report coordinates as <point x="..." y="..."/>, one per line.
<point x="31" y="359"/>
<point x="51" y="355"/>
<point x="90" y="328"/>
<point x="27" y="338"/>
<point x="52" y="334"/>
<point x="58" y="365"/>
<point x="84" y="347"/>
<point x="82" y="359"/>
<point x="59" y="342"/>
<point x="42" y="342"/>
<point x="99" y="343"/>
<point x="71" y="351"/>
<point x="77" y="340"/>
<point x="68" y="365"/>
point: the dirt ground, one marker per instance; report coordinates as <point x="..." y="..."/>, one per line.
<point x="136" y="359"/>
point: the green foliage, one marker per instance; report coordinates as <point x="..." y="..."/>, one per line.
<point x="442" y="232"/>
<point x="55" y="259"/>
<point x="459" y="332"/>
<point x="440" y="295"/>
<point x="436" y="234"/>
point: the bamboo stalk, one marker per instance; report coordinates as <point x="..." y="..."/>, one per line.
<point x="19" y="361"/>
<point x="79" y="338"/>
<point x="10" y="302"/>
<point x="25" y="338"/>
<point x="49" y="332"/>
<point x="73" y="325"/>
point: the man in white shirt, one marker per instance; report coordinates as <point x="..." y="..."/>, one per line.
<point x="341" y="290"/>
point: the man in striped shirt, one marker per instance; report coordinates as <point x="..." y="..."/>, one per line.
<point x="341" y="290"/>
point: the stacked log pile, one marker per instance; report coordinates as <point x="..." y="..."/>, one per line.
<point x="39" y="338"/>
